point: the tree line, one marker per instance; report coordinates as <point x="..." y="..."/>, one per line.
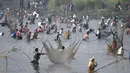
<point x="86" y="4"/>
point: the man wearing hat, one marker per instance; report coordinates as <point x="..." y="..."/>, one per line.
<point x="92" y="64"/>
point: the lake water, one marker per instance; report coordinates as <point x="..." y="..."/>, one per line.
<point x="20" y="63"/>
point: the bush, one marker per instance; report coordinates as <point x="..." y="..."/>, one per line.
<point x="79" y="4"/>
<point x="52" y="4"/>
<point x="85" y="4"/>
<point x="89" y="4"/>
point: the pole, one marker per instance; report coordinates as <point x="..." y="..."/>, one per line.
<point x="99" y="15"/>
<point x="129" y="55"/>
<point x="27" y="56"/>
<point x="123" y="30"/>
<point x="6" y="63"/>
<point x="66" y="11"/>
<point x="73" y="2"/>
<point x="109" y="64"/>
<point x="125" y="65"/>
<point x="43" y="46"/>
<point x="73" y="5"/>
<point x="85" y="6"/>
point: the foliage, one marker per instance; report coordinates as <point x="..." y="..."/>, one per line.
<point x="52" y="4"/>
<point x="85" y="4"/>
<point x="94" y="4"/>
<point x="79" y="4"/>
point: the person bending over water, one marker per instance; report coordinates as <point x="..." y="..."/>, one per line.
<point x="36" y="56"/>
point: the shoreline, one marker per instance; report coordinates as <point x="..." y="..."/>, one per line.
<point x="93" y="14"/>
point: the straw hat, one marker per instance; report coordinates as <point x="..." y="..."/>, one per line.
<point x="92" y="58"/>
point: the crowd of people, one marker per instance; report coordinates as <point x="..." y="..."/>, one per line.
<point x="119" y="6"/>
<point x="18" y="21"/>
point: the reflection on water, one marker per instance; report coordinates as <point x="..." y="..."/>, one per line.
<point x="96" y="72"/>
<point x="55" y="68"/>
<point x="36" y="68"/>
<point x="59" y="68"/>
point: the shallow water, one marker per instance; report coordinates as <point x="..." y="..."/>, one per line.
<point x="20" y="63"/>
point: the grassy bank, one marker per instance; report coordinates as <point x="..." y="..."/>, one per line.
<point x="93" y="14"/>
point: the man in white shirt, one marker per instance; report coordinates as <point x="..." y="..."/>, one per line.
<point x="120" y="51"/>
<point x="108" y="21"/>
<point x="40" y="24"/>
<point x="98" y="34"/>
<point x="74" y="16"/>
<point x="1" y="34"/>
<point x="61" y="31"/>
<point x="87" y="18"/>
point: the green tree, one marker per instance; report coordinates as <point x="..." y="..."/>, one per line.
<point x="79" y="4"/>
<point x="85" y="4"/>
<point x="123" y="1"/>
<point x="52" y="4"/>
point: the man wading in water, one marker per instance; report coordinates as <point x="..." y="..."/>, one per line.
<point x="36" y="56"/>
<point x="92" y="64"/>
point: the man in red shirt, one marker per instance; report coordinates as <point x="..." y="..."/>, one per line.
<point x="126" y="5"/>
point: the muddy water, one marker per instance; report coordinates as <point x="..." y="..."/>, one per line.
<point x="20" y="63"/>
